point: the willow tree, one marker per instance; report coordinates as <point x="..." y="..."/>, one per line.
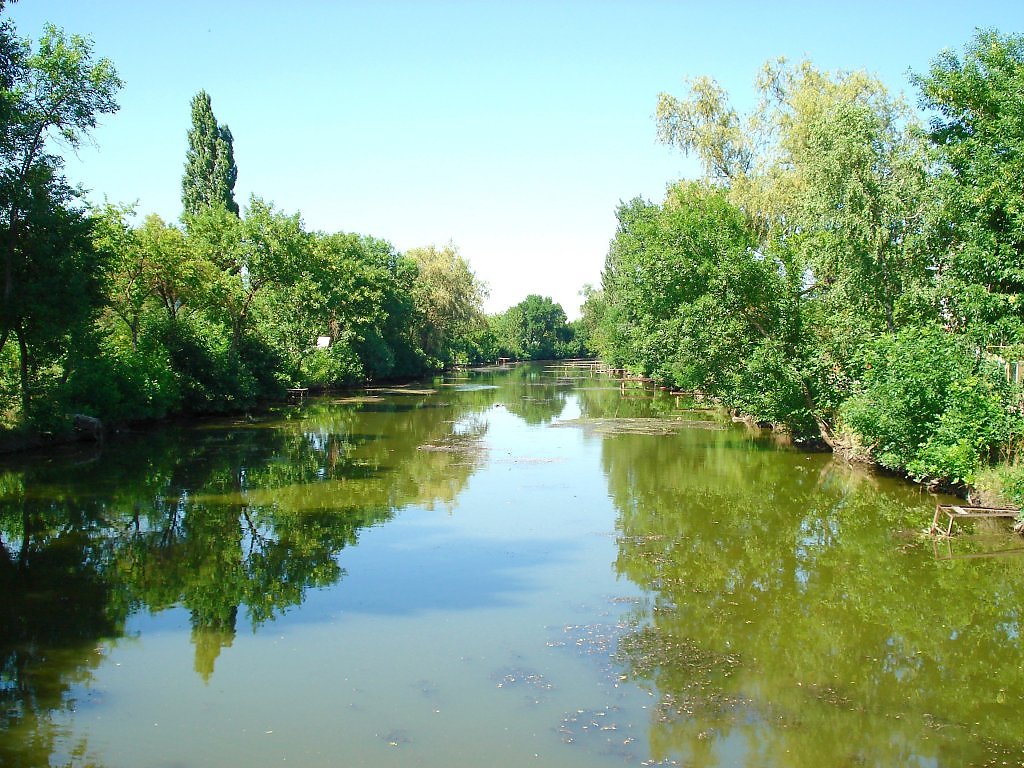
<point x="449" y="299"/>
<point x="829" y="171"/>
<point x="210" y="170"/>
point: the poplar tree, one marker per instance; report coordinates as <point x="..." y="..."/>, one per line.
<point x="210" y="170"/>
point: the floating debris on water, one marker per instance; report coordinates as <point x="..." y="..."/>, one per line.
<point x="402" y="391"/>
<point x="532" y="682"/>
<point x="357" y="400"/>
<point x="461" y="440"/>
<point x="442" y="446"/>
<point x="639" y="426"/>
<point x="589" y="721"/>
<point x="697" y="693"/>
<point x="396" y="738"/>
<point x="629" y="650"/>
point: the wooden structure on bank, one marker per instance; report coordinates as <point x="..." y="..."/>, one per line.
<point x="956" y="511"/>
<point x="1007" y="358"/>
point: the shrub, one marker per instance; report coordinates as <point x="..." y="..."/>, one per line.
<point x="119" y="384"/>
<point x="338" y="364"/>
<point x="928" y="405"/>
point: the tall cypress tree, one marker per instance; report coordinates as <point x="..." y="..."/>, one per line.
<point x="210" y="170"/>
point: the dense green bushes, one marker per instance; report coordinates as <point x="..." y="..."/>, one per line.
<point x="929" y="404"/>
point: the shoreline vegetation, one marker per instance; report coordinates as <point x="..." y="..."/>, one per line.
<point x="109" y="317"/>
<point x="841" y="272"/>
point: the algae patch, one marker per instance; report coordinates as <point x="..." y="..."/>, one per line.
<point x="639" y="426"/>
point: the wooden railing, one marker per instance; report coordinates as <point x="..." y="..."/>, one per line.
<point x="1013" y="367"/>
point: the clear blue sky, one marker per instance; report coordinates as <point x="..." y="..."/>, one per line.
<point x="512" y="129"/>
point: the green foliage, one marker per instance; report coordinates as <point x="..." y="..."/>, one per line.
<point x="119" y="383"/>
<point x="815" y="242"/>
<point x="48" y="285"/>
<point x="927" y="405"/>
<point x="690" y="299"/>
<point x="209" y="375"/>
<point x="448" y="300"/>
<point x="589" y="328"/>
<point x="770" y="387"/>
<point x="480" y="344"/>
<point x="978" y="132"/>
<point x="803" y="282"/>
<point x="338" y="364"/>
<point x="534" y="329"/>
<point x="210" y="171"/>
<point x="1002" y="484"/>
<point x="668" y="270"/>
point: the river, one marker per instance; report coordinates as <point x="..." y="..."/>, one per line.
<point x="513" y="567"/>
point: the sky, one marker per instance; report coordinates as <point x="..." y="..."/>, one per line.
<point x="510" y="128"/>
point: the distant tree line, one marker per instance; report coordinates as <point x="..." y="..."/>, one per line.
<point x="121" y="320"/>
<point x="840" y="270"/>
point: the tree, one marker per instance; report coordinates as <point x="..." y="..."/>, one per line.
<point x="829" y="172"/>
<point x="534" y="329"/>
<point x="128" y="273"/>
<point x="210" y="170"/>
<point x="858" y="162"/>
<point x="833" y="148"/>
<point x="689" y="299"/>
<point x="250" y="255"/>
<point x="978" y="131"/>
<point x="46" y="273"/>
<point x="448" y="297"/>
<point x="177" y="275"/>
<point x="707" y="126"/>
<point x="591" y="325"/>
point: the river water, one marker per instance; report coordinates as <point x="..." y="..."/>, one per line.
<point x="515" y="567"/>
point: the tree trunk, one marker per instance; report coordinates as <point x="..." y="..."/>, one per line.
<point x="26" y="399"/>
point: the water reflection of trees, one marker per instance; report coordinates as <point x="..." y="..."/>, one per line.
<point x="788" y="615"/>
<point x="226" y="520"/>
<point x="601" y="397"/>
<point x="54" y="604"/>
<point x="533" y="394"/>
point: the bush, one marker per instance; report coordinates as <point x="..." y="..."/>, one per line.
<point x="769" y="387"/>
<point x="260" y="366"/>
<point x="928" y="406"/>
<point x="119" y="384"/>
<point x="338" y="364"/>
<point x="212" y="378"/>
